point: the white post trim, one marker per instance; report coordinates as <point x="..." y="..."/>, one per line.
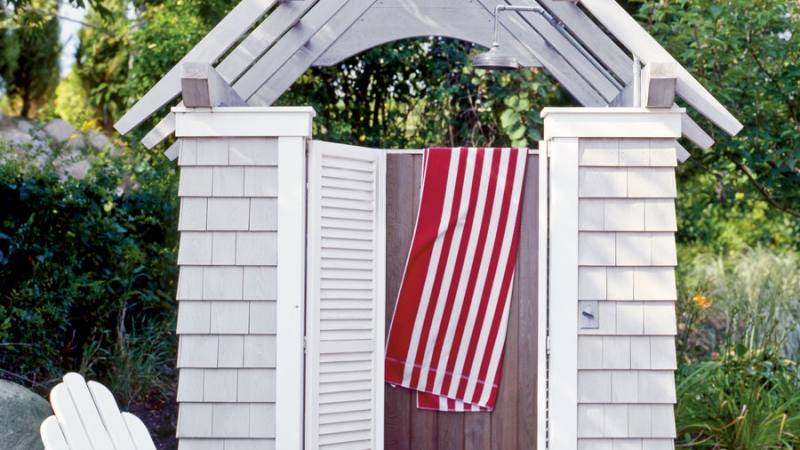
<point x="380" y="307"/>
<point x="244" y="121"/>
<point x="563" y="294"/>
<point x="612" y="122"/>
<point x="291" y="292"/>
<point x="542" y="308"/>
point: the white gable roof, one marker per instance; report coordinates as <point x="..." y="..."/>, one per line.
<point x="262" y="46"/>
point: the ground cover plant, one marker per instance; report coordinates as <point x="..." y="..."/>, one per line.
<point x="739" y="382"/>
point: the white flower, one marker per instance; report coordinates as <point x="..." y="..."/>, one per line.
<point x="785" y="35"/>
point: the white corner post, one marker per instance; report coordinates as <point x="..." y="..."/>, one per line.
<point x="611" y="277"/>
<point x="241" y="288"/>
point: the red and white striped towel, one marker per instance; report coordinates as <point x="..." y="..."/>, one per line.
<point x="449" y="327"/>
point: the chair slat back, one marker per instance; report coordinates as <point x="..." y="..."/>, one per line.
<point x="84" y="404"/>
<point x="139" y="432"/>
<point x="87" y="418"/>
<point x="52" y="437"/>
<point x="68" y="418"/>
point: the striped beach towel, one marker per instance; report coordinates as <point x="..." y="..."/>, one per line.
<point x="448" y="331"/>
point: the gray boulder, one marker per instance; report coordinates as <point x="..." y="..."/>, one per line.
<point x="21" y="413"/>
<point x="62" y="132"/>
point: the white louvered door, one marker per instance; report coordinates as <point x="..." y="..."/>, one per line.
<point x="345" y="298"/>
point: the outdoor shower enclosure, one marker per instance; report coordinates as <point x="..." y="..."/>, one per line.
<point x="286" y="280"/>
<point x="291" y="253"/>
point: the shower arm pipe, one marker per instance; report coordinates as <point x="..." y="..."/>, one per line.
<point x="500" y="8"/>
<point x="556" y="24"/>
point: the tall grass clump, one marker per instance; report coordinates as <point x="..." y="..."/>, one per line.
<point x="739" y="384"/>
<point x="749" y="302"/>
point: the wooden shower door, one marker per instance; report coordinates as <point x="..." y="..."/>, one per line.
<point x="512" y="425"/>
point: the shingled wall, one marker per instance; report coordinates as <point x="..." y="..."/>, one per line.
<point x="227" y="293"/>
<point x="627" y="259"/>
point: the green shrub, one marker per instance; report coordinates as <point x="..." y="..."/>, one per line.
<point x="740" y="402"/>
<point x="87" y="270"/>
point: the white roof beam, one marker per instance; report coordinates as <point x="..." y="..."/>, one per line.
<point x="591" y="36"/>
<point x="302" y="59"/>
<point x="286" y="15"/>
<point x="638" y="40"/>
<point x="208" y="50"/>
<point x="596" y="77"/>
<point x="290" y="44"/>
<point x="382" y="24"/>
<point x="559" y="68"/>
<point x="612" y="56"/>
<point x="283" y="17"/>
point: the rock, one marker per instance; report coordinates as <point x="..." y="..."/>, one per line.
<point x="77" y="169"/>
<point x="59" y="130"/>
<point x="16" y="136"/>
<point x="21" y="414"/>
<point x="62" y="132"/>
<point x="98" y="140"/>
<point x="24" y="125"/>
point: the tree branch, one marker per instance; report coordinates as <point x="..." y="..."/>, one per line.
<point x="765" y="192"/>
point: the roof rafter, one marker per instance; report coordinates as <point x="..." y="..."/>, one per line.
<point x="300" y="33"/>
<point x="212" y="46"/>
<point x="632" y="35"/>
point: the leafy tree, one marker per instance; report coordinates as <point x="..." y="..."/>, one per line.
<point x="418" y="92"/>
<point x="9" y="46"/>
<point x="29" y="60"/>
<point x="101" y="61"/>
<point x="745" y="53"/>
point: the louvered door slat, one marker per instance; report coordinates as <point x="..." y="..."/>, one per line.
<point x="345" y="297"/>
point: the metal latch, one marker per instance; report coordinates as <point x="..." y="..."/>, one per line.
<point x="589" y="315"/>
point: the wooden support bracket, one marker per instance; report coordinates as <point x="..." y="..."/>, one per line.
<point x="659" y="81"/>
<point x="203" y="87"/>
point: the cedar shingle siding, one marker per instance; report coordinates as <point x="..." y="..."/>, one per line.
<point x="227" y="293"/>
<point x="627" y="259"/>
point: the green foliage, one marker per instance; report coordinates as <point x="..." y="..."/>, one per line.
<point x="747" y="401"/>
<point x="725" y="215"/>
<point x="70" y="103"/>
<point x="101" y="62"/>
<point x="423" y="92"/>
<point x="87" y="270"/>
<point x="29" y="61"/>
<point x="739" y="386"/>
<point x="745" y="53"/>
<point x="747" y="302"/>
<point x="168" y="31"/>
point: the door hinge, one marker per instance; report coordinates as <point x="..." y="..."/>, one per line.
<point x="305" y="344"/>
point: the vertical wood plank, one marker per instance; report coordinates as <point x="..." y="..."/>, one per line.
<point x="528" y="309"/>
<point x="478" y="431"/>
<point x="513" y="423"/>
<point x="451" y="431"/>
<point x="424" y="424"/>
<point x="399" y="230"/>
<point x="504" y="422"/>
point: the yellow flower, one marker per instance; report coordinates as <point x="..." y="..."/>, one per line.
<point x="701" y="301"/>
<point x="740" y="196"/>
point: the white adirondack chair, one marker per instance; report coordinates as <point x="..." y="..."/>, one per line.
<point x="87" y="418"/>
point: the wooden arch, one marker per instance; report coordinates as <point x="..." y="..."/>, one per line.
<point x="384" y="25"/>
<point x="262" y="46"/>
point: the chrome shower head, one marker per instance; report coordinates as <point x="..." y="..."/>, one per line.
<point x="495" y="60"/>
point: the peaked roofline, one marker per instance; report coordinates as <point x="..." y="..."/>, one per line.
<point x="265" y="45"/>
